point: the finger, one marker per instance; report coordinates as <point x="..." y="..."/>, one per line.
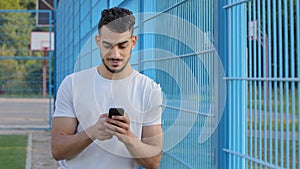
<point x="122" y="125"/>
<point x="110" y="125"/>
<point x="111" y="132"/>
<point x="102" y="118"/>
<point x="124" y="119"/>
<point x="104" y="115"/>
<point x="117" y="127"/>
<point x="119" y="124"/>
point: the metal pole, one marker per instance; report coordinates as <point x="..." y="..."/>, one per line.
<point x="45" y="72"/>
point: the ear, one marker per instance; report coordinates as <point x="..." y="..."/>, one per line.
<point x="97" y="38"/>
<point x="134" y="40"/>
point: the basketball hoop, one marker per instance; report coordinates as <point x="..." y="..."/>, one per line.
<point x="41" y="40"/>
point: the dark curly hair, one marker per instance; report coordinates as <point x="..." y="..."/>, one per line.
<point x="117" y="19"/>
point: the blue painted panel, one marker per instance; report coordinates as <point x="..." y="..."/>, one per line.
<point x="76" y="7"/>
<point x="85" y="9"/>
<point x="85" y="27"/>
<point x="82" y="1"/>
<point x="149" y="6"/>
<point x="131" y="5"/>
<point x="96" y="12"/>
<point x="113" y="3"/>
<point x="189" y="152"/>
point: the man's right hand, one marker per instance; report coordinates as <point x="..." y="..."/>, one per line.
<point x="97" y="131"/>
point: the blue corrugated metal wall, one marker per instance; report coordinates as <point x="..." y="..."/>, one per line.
<point x="258" y="44"/>
<point x="176" y="49"/>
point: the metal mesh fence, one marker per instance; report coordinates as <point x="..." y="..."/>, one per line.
<point x="264" y="84"/>
<point x="25" y="72"/>
<point x="175" y="48"/>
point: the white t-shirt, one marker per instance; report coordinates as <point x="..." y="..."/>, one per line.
<point x="86" y="95"/>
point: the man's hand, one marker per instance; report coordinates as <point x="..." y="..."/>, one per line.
<point x="146" y="152"/>
<point x="120" y="127"/>
<point x="98" y="130"/>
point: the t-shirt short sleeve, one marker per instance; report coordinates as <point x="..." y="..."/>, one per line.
<point x="153" y="114"/>
<point x="64" y="102"/>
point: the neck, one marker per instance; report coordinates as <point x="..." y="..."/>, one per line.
<point x="114" y="76"/>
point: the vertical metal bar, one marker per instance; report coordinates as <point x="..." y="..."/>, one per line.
<point x="230" y="118"/>
<point x="286" y="70"/>
<point x="212" y="21"/>
<point x="270" y="110"/>
<point x="298" y="71"/>
<point x="90" y="32"/>
<point x="250" y="72"/>
<point x="274" y="8"/>
<point x="202" y="26"/>
<point x="243" y="72"/>
<point x="264" y="45"/>
<point x="240" y="84"/>
<point x="50" y="70"/>
<point x="280" y="83"/>
<point x="79" y="33"/>
<point x="292" y="71"/>
<point x="206" y="39"/>
<point x="234" y="86"/>
<point x="196" y="61"/>
<point x="234" y="93"/>
<point x="221" y="33"/>
<point x="140" y="30"/>
<point x="255" y="83"/>
<point x="54" y="54"/>
<point x="208" y="58"/>
<point x="73" y="32"/>
<point x="259" y="82"/>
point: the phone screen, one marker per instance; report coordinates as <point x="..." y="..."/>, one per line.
<point x="115" y="112"/>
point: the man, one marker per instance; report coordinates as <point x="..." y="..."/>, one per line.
<point x="83" y="136"/>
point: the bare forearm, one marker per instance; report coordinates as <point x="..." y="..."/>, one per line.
<point x="146" y="155"/>
<point x="146" y="152"/>
<point x="68" y="146"/>
<point x="150" y="162"/>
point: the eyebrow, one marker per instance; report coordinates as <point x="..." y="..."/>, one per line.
<point x="119" y="43"/>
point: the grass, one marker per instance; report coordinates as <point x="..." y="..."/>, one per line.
<point x="265" y="153"/>
<point x="22" y="96"/>
<point x="13" y="151"/>
<point x="258" y="98"/>
<point x="262" y="124"/>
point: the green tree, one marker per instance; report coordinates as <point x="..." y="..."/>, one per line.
<point x="15" y="29"/>
<point x="33" y="76"/>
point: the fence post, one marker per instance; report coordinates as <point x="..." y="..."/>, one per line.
<point x="221" y="136"/>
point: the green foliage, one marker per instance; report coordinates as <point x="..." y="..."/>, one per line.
<point x="18" y="76"/>
<point x="7" y="66"/>
<point x="10" y="4"/>
<point x="13" y="151"/>
<point x="33" y="77"/>
<point x="17" y="4"/>
<point x="15" y="29"/>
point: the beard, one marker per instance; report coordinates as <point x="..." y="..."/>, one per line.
<point x="117" y="70"/>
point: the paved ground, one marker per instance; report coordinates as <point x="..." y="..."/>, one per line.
<point x="17" y="115"/>
<point x="41" y="153"/>
<point x="25" y="112"/>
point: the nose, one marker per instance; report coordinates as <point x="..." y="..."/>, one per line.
<point x="114" y="53"/>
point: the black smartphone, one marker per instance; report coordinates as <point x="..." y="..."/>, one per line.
<point x="115" y="112"/>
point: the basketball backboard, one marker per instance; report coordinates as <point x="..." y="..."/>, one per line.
<point x="41" y="41"/>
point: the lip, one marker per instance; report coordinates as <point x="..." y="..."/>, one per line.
<point x="115" y="63"/>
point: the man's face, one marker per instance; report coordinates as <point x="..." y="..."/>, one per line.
<point x="115" y="48"/>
